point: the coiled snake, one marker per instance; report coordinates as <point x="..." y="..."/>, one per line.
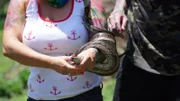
<point x="107" y="60"/>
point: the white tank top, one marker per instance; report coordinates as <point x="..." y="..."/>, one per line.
<point x="56" y="38"/>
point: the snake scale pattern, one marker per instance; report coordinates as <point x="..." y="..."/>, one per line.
<point x="107" y="59"/>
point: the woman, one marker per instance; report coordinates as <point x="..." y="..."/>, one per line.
<point x="43" y="34"/>
<point x="151" y="66"/>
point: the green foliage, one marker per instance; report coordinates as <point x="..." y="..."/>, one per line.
<point x="1" y="23"/>
<point x="2" y="16"/>
<point x="108" y="90"/>
<point x="14" y="85"/>
<point x="24" y="76"/>
<point x="5" y="63"/>
<point x="16" y="97"/>
<point x="10" y="87"/>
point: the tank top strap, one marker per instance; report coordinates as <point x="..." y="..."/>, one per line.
<point x="32" y="11"/>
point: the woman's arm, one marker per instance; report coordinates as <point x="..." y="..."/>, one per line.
<point x="12" y="42"/>
<point x="16" y="50"/>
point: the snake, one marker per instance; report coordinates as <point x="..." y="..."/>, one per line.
<point x="107" y="59"/>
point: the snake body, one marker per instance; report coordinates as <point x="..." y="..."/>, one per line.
<point x="107" y="60"/>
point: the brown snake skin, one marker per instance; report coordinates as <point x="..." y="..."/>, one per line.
<point x="107" y="59"/>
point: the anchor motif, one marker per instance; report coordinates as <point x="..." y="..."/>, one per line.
<point x="79" y="1"/>
<point x="50" y="45"/>
<point x="31" y="89"/>
<point x="73" y="32"/>
<point x="40" y="80"/>
<point x="88" y="85"/>
<point x="29" y="36"/>
<point x="72" y="78"/>
<point x="50" y="24"/>
<point x="54" y="92"/>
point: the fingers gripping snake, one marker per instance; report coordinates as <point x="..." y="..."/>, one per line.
<point x="107" y="60"/>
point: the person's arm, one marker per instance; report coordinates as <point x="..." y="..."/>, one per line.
<point x="117" y="19"/>
<point x="120" y="5"/>
<point x="16" y="50"/>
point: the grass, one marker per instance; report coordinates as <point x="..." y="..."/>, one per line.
<point x="108" y="90"/>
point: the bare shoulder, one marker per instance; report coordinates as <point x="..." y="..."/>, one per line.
<point x="20" y="4"/>
<point x="16" y="5"/>
<point x="15" y="14"/>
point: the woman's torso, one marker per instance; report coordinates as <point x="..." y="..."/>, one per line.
<point x="59" y="38"/>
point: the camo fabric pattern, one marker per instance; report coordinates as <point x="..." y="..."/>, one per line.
<point x="154" y="28"/>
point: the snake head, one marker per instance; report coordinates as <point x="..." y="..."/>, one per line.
<point x="76" y="59"/>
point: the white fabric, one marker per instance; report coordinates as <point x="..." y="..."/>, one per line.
<point x="58" y="38"/>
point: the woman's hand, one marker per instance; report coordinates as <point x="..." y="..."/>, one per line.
<point x="117" y="21"/>
<point x="87" y="59"/>
<point x="62" y="65"/>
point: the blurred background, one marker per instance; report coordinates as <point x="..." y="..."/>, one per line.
<point x="13" y="76"/>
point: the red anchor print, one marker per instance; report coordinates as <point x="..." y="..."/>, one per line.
<point x="40" y="80"/>
<point x="31" y="89"/>
<point x="79" y="1"/>
<point x="88" y="85"/>
<point x="50" y="47"/>
<point x="50" y="24"/>
<point x="29" y="37"/>
<point x="54" y="92"/>
<point x="73" y="32"/>
<point x="72" y="78"/>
